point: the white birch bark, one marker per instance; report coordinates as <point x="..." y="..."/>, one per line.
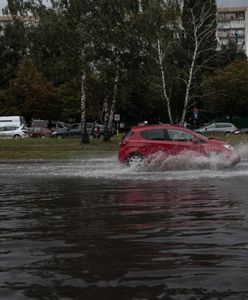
<point x="191" y="69"/>
<point x="106" y="119"/>
<point x="200" y="37"/>
<point x="113" y="104"/>
<point x="84" y="135"/>
<point x="166" y="97"/>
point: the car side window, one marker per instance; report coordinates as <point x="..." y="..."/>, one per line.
<point x="178" y="135"/>
<point x="221" y="125"/>
<point x="153" y="134"/>
<point x="75" y="126"/>
<point x="10" y="128"/>
<point x="2" y="128"/>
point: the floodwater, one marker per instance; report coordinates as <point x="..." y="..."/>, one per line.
<point x="92" y="229"/>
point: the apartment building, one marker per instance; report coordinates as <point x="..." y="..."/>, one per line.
<point x="232" y="25"/>
<point x="4" y="20"/>
<point x="27" y="21"/>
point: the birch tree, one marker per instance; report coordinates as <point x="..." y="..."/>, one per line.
<point x="165" y="89"/>
<point x="161" y="26"/>
<point x="199" y="21"/>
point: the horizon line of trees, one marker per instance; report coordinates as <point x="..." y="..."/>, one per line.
<point x="151" y="60"/>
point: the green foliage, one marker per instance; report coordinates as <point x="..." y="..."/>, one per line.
<point x="228" y="89"/>
<point x="41" y="65"/>
<point x="31" y="95"/>
<point x="12" y="47"/>
<point x="229" y="53"/>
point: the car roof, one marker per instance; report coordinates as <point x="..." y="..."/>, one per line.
<point x="158" y="126"/>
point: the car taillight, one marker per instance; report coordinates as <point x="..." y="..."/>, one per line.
<point x="123" y="143"/>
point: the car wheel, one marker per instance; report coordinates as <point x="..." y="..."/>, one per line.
<point x="213" y="154"/>
<point x="16" y="136"/>
<point x="227" y="133"/>
<point x="135" y="159"/>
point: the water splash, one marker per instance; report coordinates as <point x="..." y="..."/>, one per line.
<point x="242" y="150"/>
<point x="161" y="161"/>
<point x="187" y="166"/>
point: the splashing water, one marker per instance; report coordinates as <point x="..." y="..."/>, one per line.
<point x="160" y="161"/>
<point x="242" y="150"/>
<point x="160" y="167"/>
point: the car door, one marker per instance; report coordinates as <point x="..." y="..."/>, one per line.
<point x="152" y="141"/>
<point x="2" y="132"/>
<point x="10" y="131"/>
<point x="74" y="130"/>
<point x="180" y="141"/>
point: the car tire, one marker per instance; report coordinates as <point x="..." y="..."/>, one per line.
<point x="16" y="136"/>
<point x="135" y="159"/>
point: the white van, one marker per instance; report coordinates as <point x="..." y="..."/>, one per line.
<point x="12" y="121"/>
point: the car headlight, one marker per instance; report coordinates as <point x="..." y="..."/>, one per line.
<point x="228" y="147"/>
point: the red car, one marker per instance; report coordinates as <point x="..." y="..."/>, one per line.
<point x="143" y="141"/>
<point x="37" y="132"/>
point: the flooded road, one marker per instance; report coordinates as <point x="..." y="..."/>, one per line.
<point x="92" y="229"/>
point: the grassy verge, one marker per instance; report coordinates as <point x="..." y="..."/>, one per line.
<point x="50" y="148"/>
<point x="232" y="138"/>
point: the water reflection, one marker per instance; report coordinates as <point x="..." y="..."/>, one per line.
<point x="90" y="238"/>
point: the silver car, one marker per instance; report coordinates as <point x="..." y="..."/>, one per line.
<point x="217" y="127"/>
<point x="14" y="132"/>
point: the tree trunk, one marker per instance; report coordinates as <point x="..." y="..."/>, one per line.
<point x="191" y="71"/>
<point x="106" y="118"/>
<point x="112" y="109"/>
<point x="167" y="99"/>
<point x="84" y="135"/>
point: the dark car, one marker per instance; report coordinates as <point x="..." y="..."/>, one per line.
<point x="143" y="141"/>
<point x="74" y="130"/>
<point x="37" y="132"/>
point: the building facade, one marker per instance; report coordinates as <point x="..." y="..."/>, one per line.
<point x="232" y="25"/>
<point x="27" y="21"/>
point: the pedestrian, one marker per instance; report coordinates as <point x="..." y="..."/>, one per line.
<point x="195" y="118"/>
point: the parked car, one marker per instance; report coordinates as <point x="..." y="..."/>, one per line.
<point x="217" y="127"/>
<point x="14" y="132"/>
<point x="74" y="130"/>
<point x="37" y="132"/>
<point x="12" y="121"/>
<point x="143" y="141"/>
<point x="241" y="131"/>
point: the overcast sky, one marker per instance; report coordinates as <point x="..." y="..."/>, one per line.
<point x="219" y="2"/>
<point x="3" y="3"/>
<point x="231" y="2"/>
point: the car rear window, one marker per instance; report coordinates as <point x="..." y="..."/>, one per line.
<point x="130" y="133"/>
<point x="153" y="134"/>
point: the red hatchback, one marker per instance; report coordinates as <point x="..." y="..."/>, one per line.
<point x="143" y="141"/>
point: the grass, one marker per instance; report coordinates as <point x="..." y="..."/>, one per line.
<point x="232" y="138"/>
<point x="51" y="148"/>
